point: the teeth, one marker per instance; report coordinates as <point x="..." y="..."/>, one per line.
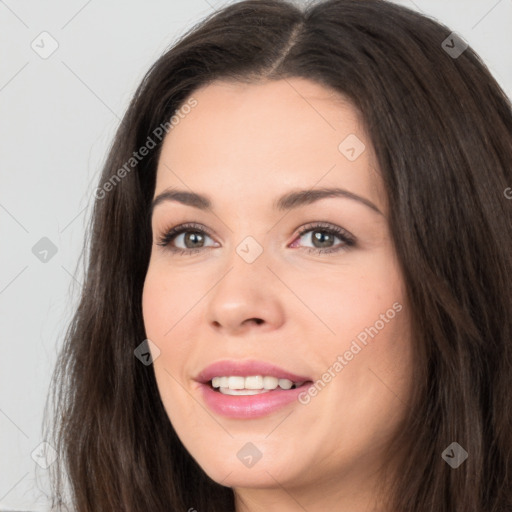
<point x="270" y="382"/>
<point x="236" y="383"/>
<point x="254" y="382"/>
<point x="285" y="383"/>
<point x="228" y="391"/>
<point x="251" y="385"/>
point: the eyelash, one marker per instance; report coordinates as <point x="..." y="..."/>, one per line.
<point x="345" y="236"/>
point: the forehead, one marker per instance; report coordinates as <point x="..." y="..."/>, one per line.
<point x="262" y="139"/>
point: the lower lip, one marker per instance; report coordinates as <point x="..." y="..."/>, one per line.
<point x="250" y="406"/>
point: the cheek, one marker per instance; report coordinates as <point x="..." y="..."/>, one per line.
<point x="164" y="299"/>
<point x="356" y="296"/>
<point x="153" y="299"/>
<point x="364" y="307"/>
<point x="168" y="301"/>
<point x="162" y="308"/>
<point x="373" y="374"/>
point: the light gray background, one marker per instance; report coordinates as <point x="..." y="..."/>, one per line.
<point x="58" y="116"/>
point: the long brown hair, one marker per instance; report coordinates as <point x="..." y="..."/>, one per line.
<point x="442" y="131"/>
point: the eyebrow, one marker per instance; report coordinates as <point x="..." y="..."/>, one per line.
<point x="286" y="202"/>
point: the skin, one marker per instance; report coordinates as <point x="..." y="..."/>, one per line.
<point x="244" y="146"/>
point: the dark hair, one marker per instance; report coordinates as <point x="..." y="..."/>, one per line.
<point x="441" y="128"/>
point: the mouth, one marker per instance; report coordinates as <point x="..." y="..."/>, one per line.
<point x="249" y="389"/>
<point x="247" y="404"/>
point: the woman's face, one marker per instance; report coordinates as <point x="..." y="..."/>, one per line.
<point x="327" y="305"/>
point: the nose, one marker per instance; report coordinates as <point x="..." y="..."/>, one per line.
<point x="247" y="297"/>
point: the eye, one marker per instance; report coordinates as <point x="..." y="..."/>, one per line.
<point x="322" y="235"/>
<point x="193" y="238"/>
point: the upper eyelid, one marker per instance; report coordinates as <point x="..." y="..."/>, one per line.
<point x="191" y="226"/>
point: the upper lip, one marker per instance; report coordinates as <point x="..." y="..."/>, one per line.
<point x="245" y="369"/>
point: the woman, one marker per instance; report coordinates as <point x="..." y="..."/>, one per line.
<point x="306" y="207"/>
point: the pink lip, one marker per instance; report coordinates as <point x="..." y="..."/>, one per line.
<point x="248" y="406"/>
<point x="245" y="369"/>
